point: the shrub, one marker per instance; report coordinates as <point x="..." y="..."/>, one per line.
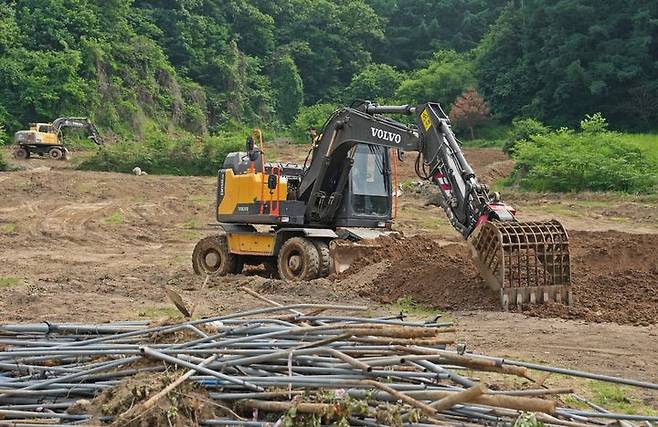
<point x="313" y="116"/>
<point x="522" y="130"/>
<point x="161" y="155"/>
<point x="593" y="160"/>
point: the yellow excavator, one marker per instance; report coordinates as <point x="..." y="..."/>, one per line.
<point x="301" y="221"/>
<point x="45" y="139"/>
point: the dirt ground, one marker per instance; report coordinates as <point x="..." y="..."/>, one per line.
<point x="86" y="246"/>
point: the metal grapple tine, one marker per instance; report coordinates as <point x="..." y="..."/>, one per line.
<point x="526" y="262"/>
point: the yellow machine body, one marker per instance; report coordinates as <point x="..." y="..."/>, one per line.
<point x="261" y="244"/>
<point x="43" y="134"/>
<point x="244" y="194"/>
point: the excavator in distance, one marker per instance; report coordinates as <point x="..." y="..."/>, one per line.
<point x="46" y="139"/>
<point x="296" y="220"/>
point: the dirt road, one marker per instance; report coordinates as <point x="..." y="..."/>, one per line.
<point x="82" y="246"/>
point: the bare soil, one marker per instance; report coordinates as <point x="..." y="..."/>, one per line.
<point x="94" y="247"/>
<point x="614" y="275"/>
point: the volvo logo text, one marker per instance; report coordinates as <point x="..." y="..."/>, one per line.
<point x="386" y="135"/>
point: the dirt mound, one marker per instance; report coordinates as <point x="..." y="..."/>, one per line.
<point x="435" y="274"/>
<point x="615" y="279"/>
<point x="614" y="276"/>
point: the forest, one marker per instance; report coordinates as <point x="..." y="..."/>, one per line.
<point x="202" y="65"/>
<point x="186" y="79"/>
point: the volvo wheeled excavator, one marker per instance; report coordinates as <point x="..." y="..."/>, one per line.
<point x="298" y="219"/>
<point x="46" y="138"/>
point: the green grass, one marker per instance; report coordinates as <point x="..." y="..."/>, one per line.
<point x="483" y="143"/>
<point x="9" y="228"/>
<point x="159" y="312"/>
<point x="619" y="399"/>
<point x="410" y="307"/>
<point x="115" y="218"/>
<point x="648" y="142"/>
<point x="9" y="282"/>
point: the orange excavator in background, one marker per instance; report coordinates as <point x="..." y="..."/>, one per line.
<point x="307" y="221"/>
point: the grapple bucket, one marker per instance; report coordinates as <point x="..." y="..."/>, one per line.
<point x="343" y="253"/>
<point x="526" y="262"/>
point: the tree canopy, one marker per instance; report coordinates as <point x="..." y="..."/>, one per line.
<point x="204" y="65"/>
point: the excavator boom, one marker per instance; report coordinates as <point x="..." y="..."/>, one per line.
<point x="525" y="262"/>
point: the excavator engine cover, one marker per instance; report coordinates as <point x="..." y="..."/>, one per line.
<point x="526" y="262"/>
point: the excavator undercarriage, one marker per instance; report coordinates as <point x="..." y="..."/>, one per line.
<point x="318" y="218"/>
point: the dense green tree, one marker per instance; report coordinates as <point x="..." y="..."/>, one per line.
<point x="289" y="88"/>
<point x="377" y="82"/>
<point x="446" y="76"/>
<point x="207" y="65"/>
<point x="330" y="41"/>
<point x="560" y="60"/>
<point x="416" y="29"/>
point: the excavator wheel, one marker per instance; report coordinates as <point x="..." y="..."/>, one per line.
<point x="21" y="153"/>
<point x="298" y="260"/>
<point x="211" y="256"/>
<point x="56" y="153"/>
<point x="325" y="257"/>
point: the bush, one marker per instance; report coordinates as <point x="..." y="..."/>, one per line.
<point x="523" y="130"/>
<point x="593" y="160"/>
<point x="313" y="116"/>
<point x="160" y="154"/>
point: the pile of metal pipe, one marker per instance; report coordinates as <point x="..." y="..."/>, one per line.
<point x="292" y="364"/>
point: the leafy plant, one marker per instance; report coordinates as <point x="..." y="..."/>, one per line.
<point x="522" y="130"/>
<point x="594" y="124"/>
<point x="446" y="75"/>
<point x="161" y="154"/>
<point x="311" y="117"/>
<point x="528" y="419"/>
<point x="377" y="82"/>
<point x="566" y="160"/>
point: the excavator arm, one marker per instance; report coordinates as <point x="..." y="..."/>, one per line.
<point x="525" y="262"/>
<point x="440" y="159"/>
<point x="79" y="123"/>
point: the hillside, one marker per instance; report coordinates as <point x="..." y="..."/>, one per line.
<point x="138" y="66"/>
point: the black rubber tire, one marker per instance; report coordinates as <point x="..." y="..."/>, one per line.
<point x="303" y="252"/>
<point x="56" y="153"/>
<point x="22" y="153"/>
<point x="226" y="262"/>
<point x="325" y="257"/>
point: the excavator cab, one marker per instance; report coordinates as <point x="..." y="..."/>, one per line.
<point x="367" y="199"/>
